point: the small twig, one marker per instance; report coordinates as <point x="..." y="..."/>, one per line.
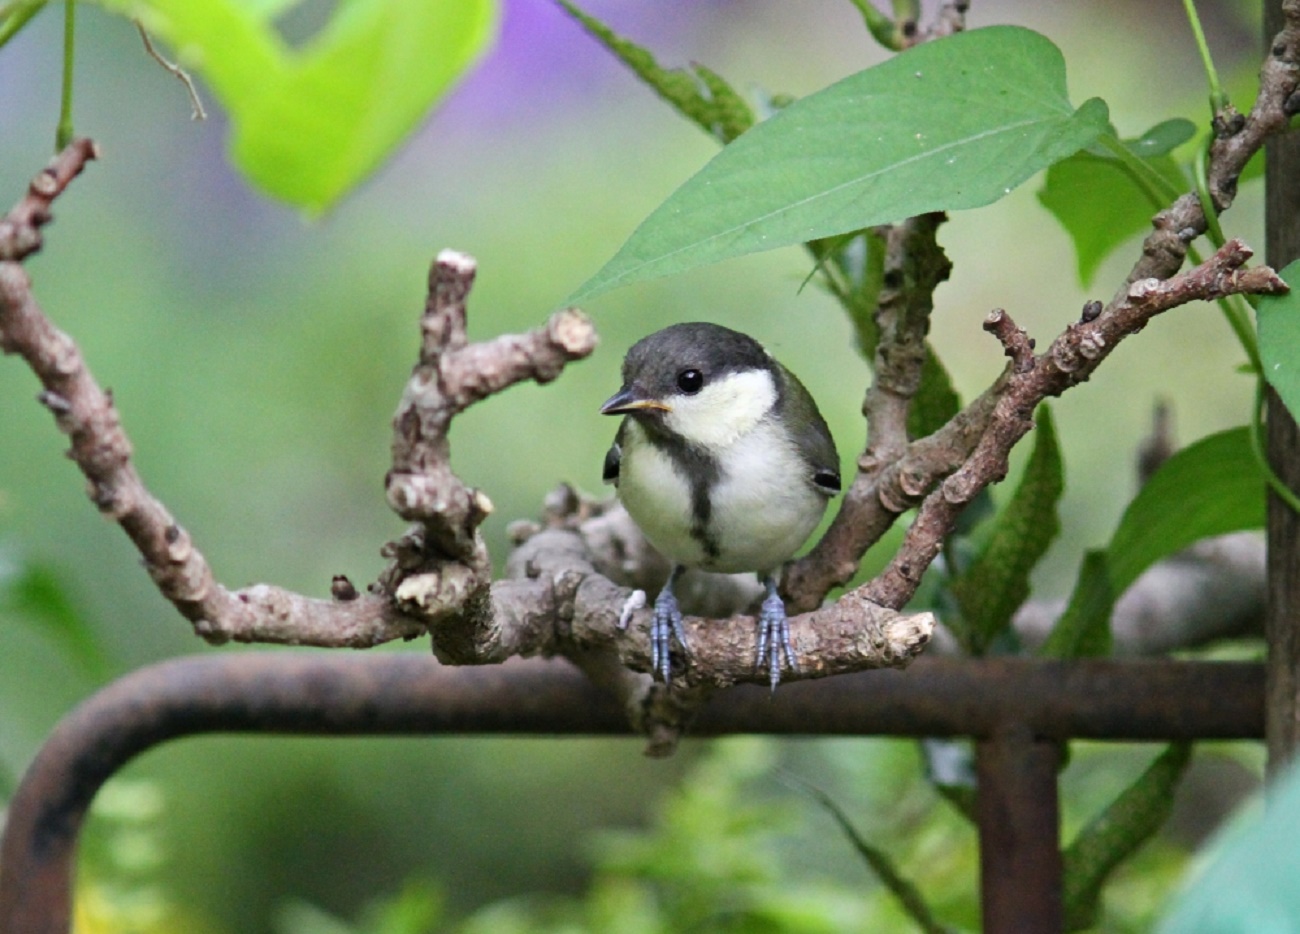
<point x="196" y="104"/>
<point x="1016" y="344"/>
<point x="1236" y="140"/>
<point x="1070" y="360"/>
<point x="450" y="376"/>
<point x="20" y="229"/>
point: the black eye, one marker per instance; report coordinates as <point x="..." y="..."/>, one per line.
<point x="690" y="381"/>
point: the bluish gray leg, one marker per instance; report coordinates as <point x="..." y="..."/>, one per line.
<point x="666" y="624"/>
<point x="774" y="634"/>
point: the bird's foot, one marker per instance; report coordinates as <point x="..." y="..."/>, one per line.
<point x="666" y="624"/>
<point x="774" y="636"/>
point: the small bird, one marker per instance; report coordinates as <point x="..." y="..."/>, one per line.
<point x="724" y="463"/>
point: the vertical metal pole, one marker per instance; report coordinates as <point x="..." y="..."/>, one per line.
<point x="1020" y="838"/>
<point x="1282" y="619"/>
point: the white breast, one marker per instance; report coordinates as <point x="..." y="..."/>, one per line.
<point x="765" y="505"/>
<point x="658" y="498"/>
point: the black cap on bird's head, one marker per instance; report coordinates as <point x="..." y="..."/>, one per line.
<point x="681" y="360"/>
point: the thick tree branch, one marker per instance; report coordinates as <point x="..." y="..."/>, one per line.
<point x="99" y="446"/>
<point x="914" y="266"/>
<point x="1212" y="591"/>
<point x="263" y="613"/>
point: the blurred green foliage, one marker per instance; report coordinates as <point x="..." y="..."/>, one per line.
<point x="1243" y="885"/>
<point x="312" y="114"/>
<point x="256" y="360"/>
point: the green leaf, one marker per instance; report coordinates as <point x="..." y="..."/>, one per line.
<point x="311" y="123"/>
<point x="1212" y="487"/>
<point x="882" y="28"/>
<point x="1083" y="631"/>
<point x="935" y="401"/>
<point x="697" y="93"/>
<point x="1247" y="883"/>
<point x="1278" y="317"/>
<point x="954" y="123"/>
<point x="990" y="590"/>
<point x="1098" y="201"/>
<point x="39" y="595"/>
<point x="1161" y="139"/>
<point x="1117" y="832"/>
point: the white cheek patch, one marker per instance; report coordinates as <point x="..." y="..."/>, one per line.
<point x="723" y="410"/>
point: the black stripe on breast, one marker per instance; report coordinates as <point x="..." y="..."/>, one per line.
<point x="701" y="472"/>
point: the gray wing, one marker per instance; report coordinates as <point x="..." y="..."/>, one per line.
<point x="812" y="437"/>
<point x="614" y="458"/>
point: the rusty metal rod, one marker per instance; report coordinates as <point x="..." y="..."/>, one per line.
<point x="1020" y="834"/>
<point x="395" y="694"/>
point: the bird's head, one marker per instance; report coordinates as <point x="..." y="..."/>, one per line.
<point x="703" y="383"/>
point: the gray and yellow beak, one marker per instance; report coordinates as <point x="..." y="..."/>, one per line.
<point x="629" y="399"/>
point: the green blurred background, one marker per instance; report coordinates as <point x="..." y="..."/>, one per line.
<point x="257" y="358"/>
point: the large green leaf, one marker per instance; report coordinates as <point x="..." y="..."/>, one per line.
<point x="1212" y="487"/>
<point x="309" y="123"/>
<point x="1101" y="204"/>
<point x="955" y="123"/>
<point x="1279" y="339"/>
<point x="995" y="584"/>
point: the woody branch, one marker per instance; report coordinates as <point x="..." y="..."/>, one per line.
<point x="896" y="473"/>
<point x="421" y="483"/>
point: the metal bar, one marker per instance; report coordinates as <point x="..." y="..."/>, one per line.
<point x="407" y="694"/>
<point x="1282" y="614"/>
<point x="1019" y="831"/>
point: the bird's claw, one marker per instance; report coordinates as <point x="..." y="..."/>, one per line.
<point x="666" y="623"/>
<point x="774" y="636"/>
